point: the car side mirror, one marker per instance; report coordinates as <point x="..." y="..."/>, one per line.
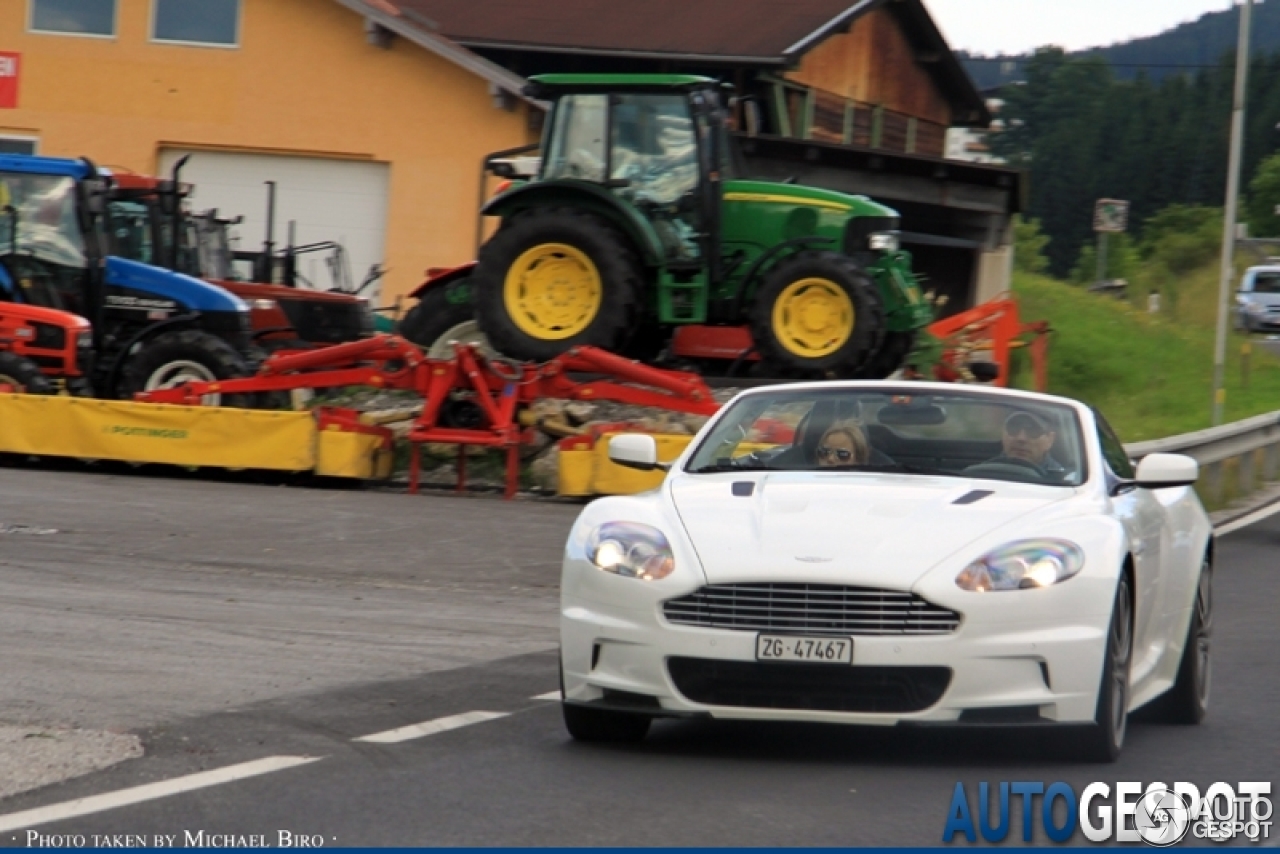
<point x="636" y="451"/>
<point x="1160" y="471"/>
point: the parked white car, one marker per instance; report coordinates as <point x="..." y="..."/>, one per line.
<point x="913" y="554"/>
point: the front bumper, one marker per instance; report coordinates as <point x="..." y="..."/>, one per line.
<point x="624" y="654"/>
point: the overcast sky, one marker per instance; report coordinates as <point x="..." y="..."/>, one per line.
<point x="1014" y="26"/>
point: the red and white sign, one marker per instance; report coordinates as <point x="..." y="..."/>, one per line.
<point x="10" y="66"/>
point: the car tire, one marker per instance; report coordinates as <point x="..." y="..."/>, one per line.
<point x="173" y="357"/>
<point x="1105" y="739"/>
<point x="23" y="374"/>
<point x="1187" y="701"/>
<point x="604" y="725"/>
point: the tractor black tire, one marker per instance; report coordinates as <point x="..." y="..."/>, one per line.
<point x="166" y="359"/>
<point x="23" y="374"/>
<point x="621" y="284"/>
<point x="435" y="321"/>
<point x="861" y="342"/>
<point x="893" y="353"/>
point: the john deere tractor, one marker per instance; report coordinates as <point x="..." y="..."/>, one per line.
<point x="637" y="224"/>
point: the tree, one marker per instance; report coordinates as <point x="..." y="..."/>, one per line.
<point x="1029" y="243"/>
<point x="1264" y="199"/>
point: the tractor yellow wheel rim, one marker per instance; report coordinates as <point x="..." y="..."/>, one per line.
<point x="813" y="318"/>
<point x="553" y="291"/>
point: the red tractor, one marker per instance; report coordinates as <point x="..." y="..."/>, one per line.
<point x="42" y="348"/>
<point x="147" y="221"/>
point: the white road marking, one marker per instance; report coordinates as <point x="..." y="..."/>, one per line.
<point x="406" y="733"/>
<point x="550" y="695"/>
<point x="150" y="791"/>
<point x="1245" y="521"/>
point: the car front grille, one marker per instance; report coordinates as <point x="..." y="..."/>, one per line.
<point x="812" y="687"/>
<point x="819" y="609"/>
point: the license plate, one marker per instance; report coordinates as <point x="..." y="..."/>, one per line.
<point x="793" y="648"/>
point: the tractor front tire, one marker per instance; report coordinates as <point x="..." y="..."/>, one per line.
<point x="173" y="358"/>
<point x="556" y="278"/>
<point x="23" y="375"/>
<point x="893" y="353"/>
<point x="436" y="321"/>
<point x="817" y="314"/>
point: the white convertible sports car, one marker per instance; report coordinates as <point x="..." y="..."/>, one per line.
<point x="871" y="553"/>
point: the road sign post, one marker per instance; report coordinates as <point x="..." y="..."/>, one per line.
<point x="1110" y="216"/>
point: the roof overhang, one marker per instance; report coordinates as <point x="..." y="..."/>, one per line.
<point x="417" y="32"/>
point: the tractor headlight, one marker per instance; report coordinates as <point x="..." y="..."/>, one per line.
<point x="884" y="241"/>
<point x="1023" y="565"/>
<point x="632" y="550"/>
<point x="84" y="340"/>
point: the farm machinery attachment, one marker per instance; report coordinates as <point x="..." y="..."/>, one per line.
<point x="468" y="400"/>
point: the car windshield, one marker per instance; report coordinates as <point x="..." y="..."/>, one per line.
<point x="38" y="218"/>
<point x="897" y="430"/>
<point x="1266" y="283"/>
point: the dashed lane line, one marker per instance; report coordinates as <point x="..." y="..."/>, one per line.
<point x="550" y="695"/>
<point x="406" y="733"/>
<point x="150" y="791"/>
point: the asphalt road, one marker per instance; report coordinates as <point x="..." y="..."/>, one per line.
<point x="230" y="623"/>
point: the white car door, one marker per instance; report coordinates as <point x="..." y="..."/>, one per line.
<point x="1146" y="523"/>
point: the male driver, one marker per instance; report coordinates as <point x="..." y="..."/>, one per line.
<point x="1028" y="439"/>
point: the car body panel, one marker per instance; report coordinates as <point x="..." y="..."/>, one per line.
<point x="1039" y="648"/>
<point x="1257" y="307"/>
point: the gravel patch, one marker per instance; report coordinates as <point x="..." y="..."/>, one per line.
<point x="31" y="757"/>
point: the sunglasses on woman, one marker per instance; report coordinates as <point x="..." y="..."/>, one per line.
<point x="843" y="455"/>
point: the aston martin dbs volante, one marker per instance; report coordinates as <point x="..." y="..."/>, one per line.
<point x="892" y="554"/>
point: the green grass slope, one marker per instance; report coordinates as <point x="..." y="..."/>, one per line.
<point x="1151" y="375"/>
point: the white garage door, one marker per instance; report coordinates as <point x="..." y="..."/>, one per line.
<point x="343" y="201"/>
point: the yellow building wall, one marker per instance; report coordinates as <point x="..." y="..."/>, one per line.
<point x="304" y="81"/>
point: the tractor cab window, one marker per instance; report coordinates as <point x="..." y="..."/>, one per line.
<point x="653" y="163"/>
<point x="129" y="231"/>
<point x="577" y="142"/>
<point x="655" y="149"/>
<point x="38" y="219"/>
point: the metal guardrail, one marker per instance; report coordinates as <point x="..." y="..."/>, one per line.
<point x="1251" y="447"/>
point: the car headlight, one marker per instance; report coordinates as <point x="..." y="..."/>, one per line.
<point x="1023" y="565"/>
<point x="632" y="550"/>
<point x="1255" y="308"/>
<point x="884" y="241"/>
<point x="84" y="340"/>
<point x="263" y="304"/>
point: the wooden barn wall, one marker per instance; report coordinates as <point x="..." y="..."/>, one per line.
<point x="875" y="63"/>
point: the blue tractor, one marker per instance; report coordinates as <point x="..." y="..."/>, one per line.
<point x="151" y="328"/>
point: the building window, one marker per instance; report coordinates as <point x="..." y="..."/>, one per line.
<point x="17" y="145"/>
<point x="74" y="17"/>
<point x="215" y="22"/>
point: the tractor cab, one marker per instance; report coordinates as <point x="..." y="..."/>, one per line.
<point x="638" y="224"/>
<point x="660" y="148"/>
<point x="151" y="327"/>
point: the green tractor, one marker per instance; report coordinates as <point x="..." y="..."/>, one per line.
<point x="637" y="225"/>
